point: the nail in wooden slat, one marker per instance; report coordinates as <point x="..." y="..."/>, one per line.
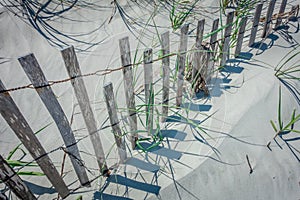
<point x="212" y="53"/>
<point x="149" y="91"/>
<point x="240" y="36"/>
<point x="72" y="66"/>
<point x="267" y="25"/>
<point x="12" y="115"/>
<point x="281" y="11"/>
<point x="128" y="87"/>
<point x="14" y="182"/>
<point x="114" y="121"/>
<point x="181" y="63"/>
<point x="165" y="45"/>
<point x="197" y="58"/>
<point x="226" y="40"/>
<point x="254" y="28"/>
<point x="39" y="81"/>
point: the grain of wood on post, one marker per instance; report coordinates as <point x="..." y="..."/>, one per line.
<point x="13" y="181"/>
<point x="72" y="66"/>
<point x="181" y="63"/>
<point x="254" y="28"/>
<point x="165" y="46"/>
<point x="226" y="39"/>
<point x="268" y="19"/>
<point x="114" y="121"/>
<point x="14" y="118"/>
<point x="42" y="87"/>
<point x="241" y="34"/>
<point x="128" y="87"/>
<point x="149" y="91"/>
<point x="281" y="11"/>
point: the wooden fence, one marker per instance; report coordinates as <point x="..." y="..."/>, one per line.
<point x="19" y="125"/>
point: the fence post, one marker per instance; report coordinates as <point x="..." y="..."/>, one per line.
<point x="74" y="72"/>
<point x="267" y="27"/>
<point x="281" y="11"/>
<point x="149" y="91"/>
<point x="240" y="36"/>
<point x="165" y="46"/>
<point x="14" y="182"/>
<point x="42" y="87"/>
<point x="181" y="62"/>
<point x="226" y="39"/>
<point x="197" y="58"/>
<point x="212" y="53"/>
<point x="14" y="118"/>
<point x="128" y="87"/>
<point x="254" y="28"/>
<point x="114" y="121"/>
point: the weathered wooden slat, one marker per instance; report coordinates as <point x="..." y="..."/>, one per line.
<point x="114" y="121"/>
<point x="198" y="53"/>
<point x="12" y="115"/>
<point x="240" y="38"/>
<point x="226" y="40"/>
<point x="254" y="28"/>
<point x="281" y="10"/>
<point x="165" y="46"/>
<point x="267" y="25"/>
<point x="149" y="91"/>
<point x="181" y="62"/>
<point x="128" y="87"/>
<point x="14" y="182"/>
<point x="39" y="81"/>
<point x="74" y="72"/>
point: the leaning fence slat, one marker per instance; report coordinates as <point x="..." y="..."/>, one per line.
<point x="14" y="118"/>
<point x="181" y="62"/>
<point x="240" y="36"/>
<point x="254" y="28"/>
<point x="114" y="121"/>
<point x="149" y="91"/>
<point x="128" y="87"/>
<point x="39" y="81"/>
<point x="197" y="64"/>
<point x="74" y="72"/>
<point x="281" y="11"/>
<point x="14" y="182"/>
<point x="165" y="46"/>
<point x="226" y="39"/>
<point x="267" y="25"/>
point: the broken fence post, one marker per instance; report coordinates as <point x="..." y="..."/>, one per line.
<point x="181" y="63"/>
<point x="267" y="25"/>
<point x="165" y="46"/>
<point x="254" y="28"/>
<point x="42" y="87"/>
<point x="128" y="87"/>
<point x="72" y="66"/>
<point x="240" y="38"/>
<point x="226" y="39"/>
<point x="149" y="91"/>
<point x="14" y="118"/>
<point x="114" y="121"/>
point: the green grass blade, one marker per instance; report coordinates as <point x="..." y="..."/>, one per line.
<point x="274" y="126"/>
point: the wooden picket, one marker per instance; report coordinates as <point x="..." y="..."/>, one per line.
<point x="165" y="46"/>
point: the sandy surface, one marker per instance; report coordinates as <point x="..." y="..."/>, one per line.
<point x="189" y="164"/>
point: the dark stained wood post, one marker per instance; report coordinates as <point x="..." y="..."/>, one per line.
<point x="128" y="87"/>
<point x="181" y="63"/>
<point x="267" y="25"/>
<point x="226" y="39"/>
<point x="114" y="121"/>
<point x="165" y="46"/>
<point x="74" y="72"/>
<point x="212" y="53"/>
<point x="42" y="87"/>
<point x="240" y="38"/>
<point x="254" y="28"/>
<point x="14" y="118"/>
<point x="14" y="182"/>
<point x="149" y="91"/>
<point x="281" y="11"/>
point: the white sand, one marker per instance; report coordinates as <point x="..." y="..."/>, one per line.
<point x="243" y="104"/>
